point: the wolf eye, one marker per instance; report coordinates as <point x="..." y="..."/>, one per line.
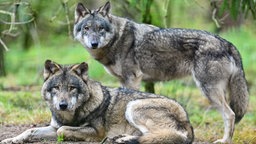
<point x="71" y="88"/>
<point x="86" y="28"/>
<point x="101" y="28"/>
<point x="56" y="87"/>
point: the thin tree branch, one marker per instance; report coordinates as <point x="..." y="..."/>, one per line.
<point x="214" y="5"/>
<point x="214" y="18"/>
<point x="6" y="32"/>
<point x="17" y="23"/>
<point x="12" y="15"/>
<point x="56" y="14"/>
<point x="3" y="44"/>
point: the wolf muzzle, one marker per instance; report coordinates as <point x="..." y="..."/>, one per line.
<point x="63" y="105"/>
<point x="94" y="44"/>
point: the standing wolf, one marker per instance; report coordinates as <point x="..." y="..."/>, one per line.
<point x="83" y="109"/>
<point x="134" y="52"/>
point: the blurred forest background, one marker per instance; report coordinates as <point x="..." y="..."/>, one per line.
<point x="35" y="30"/>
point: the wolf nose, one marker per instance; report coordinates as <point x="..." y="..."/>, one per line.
<point x="63" y="105"/>
<point x="94" y="44"/>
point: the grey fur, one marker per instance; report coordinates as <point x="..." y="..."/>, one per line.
<point x="84" y="110"/>
<point x="134" y="52"/>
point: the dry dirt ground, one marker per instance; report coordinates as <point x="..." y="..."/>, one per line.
<point x="7" y="131"/>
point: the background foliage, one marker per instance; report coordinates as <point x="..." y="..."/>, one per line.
<point x="42" y="30"/>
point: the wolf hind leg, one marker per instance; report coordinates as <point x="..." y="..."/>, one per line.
<point x="153" y="137"/>
<point x="216" y="95"/>
<point x="159" y="121"/>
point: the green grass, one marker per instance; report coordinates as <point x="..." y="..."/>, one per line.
<point x="60" y="138"/>
<point x="26" y="106"/>
<point x="26" y="67"/>
<point x="22" y="107"/>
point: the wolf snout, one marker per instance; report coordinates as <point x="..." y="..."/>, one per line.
<point x="94" y="45"/>
<point x="63" y="105"/>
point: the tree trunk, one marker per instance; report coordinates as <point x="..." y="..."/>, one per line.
<point x="146" y="17"/>
<point x="2" y="67"/>
<point x="27" y="37"/>
<point x="149" y="87"/>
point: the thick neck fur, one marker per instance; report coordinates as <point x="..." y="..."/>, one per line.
<point x="125" y="37"/>
<point x="127" y="34"/>
<point x="90" y="108"/>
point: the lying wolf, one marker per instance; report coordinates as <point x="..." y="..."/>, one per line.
<point x="83" y="109"/>
<point x="134" y="52"/>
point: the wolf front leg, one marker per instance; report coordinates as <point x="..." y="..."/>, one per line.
<point x="32" y="135"/>
<point x="132" y="78"/>
<point x="86" y="133"/>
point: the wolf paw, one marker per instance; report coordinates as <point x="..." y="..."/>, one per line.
<point x="226" y="141"/>
<point x="123" y="139"/>
<point x="127" y="139"/>
<point x="10" y="140"/>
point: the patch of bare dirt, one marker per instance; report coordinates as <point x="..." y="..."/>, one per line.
<point x="8" y="131"/>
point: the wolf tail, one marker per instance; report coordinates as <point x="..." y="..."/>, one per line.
<point x="239" y="95"/>
<point x="167" y="136"/>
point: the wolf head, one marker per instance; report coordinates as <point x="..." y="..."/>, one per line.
<point x="65" y="87"/>
<point x="93" y="27"/>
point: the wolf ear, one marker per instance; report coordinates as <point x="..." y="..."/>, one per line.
<point x="81" y="70"/>
<point x="80" y="12"/>
<point x="50" y="68"/>
<point x="104" y="10"/>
